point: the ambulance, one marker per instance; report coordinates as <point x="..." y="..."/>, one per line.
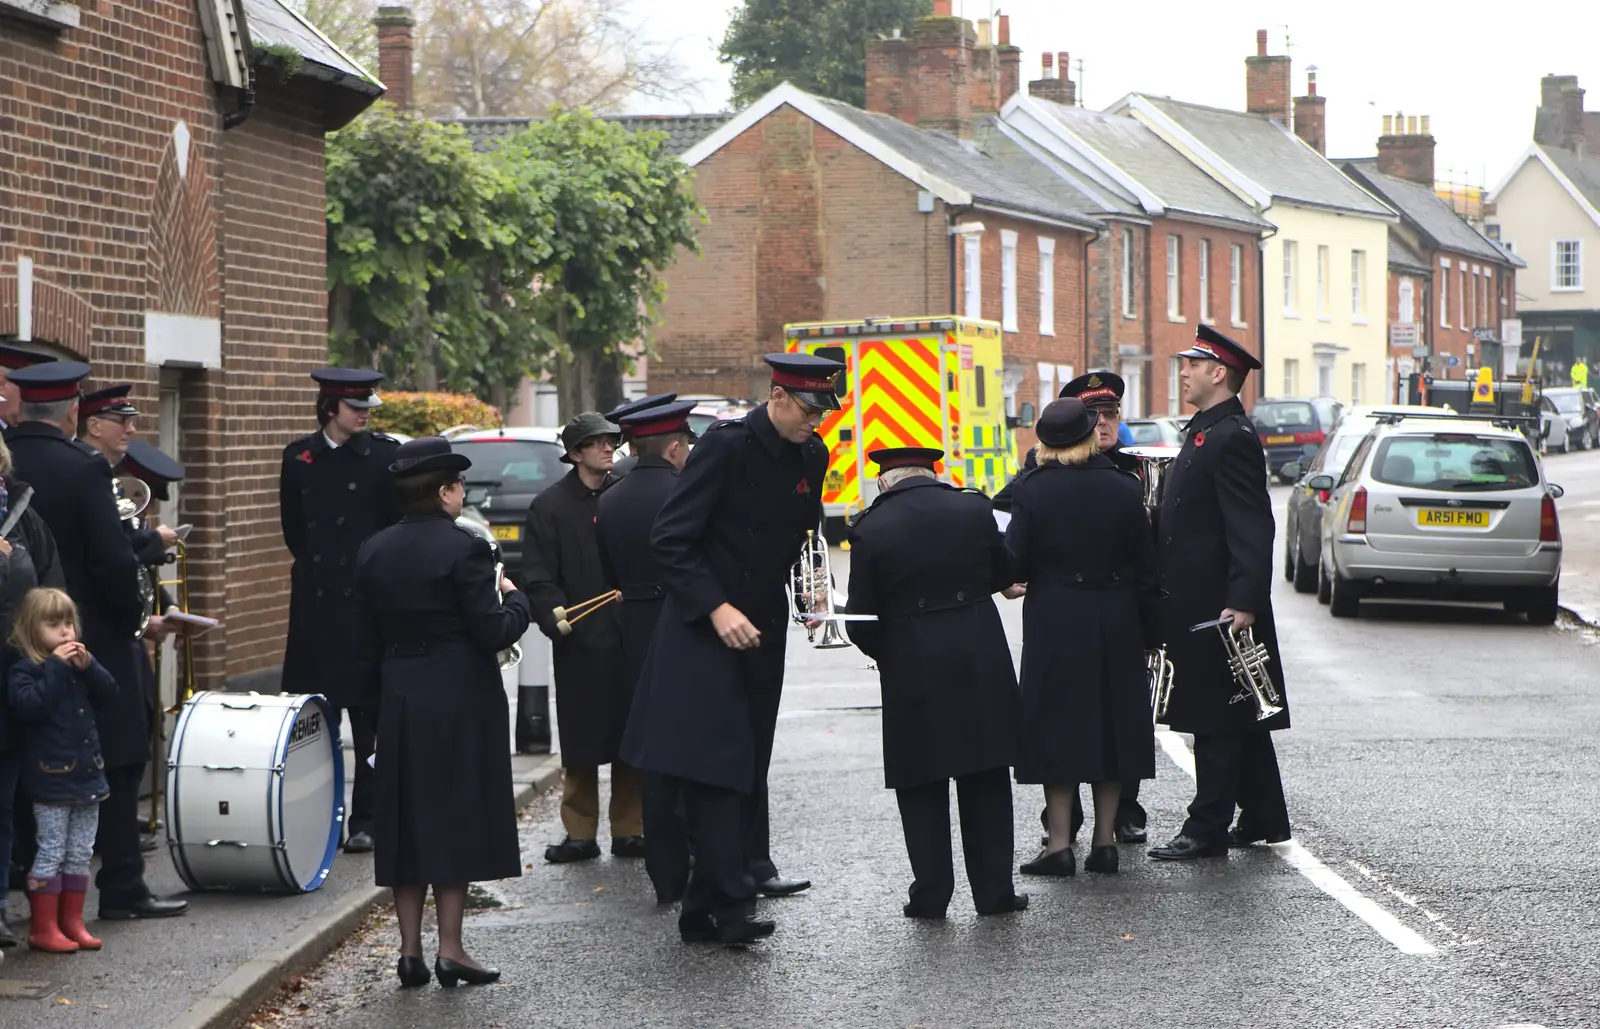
<point x="916" y="382"/>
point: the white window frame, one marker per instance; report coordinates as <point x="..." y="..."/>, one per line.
<point x="1444" y="293"/>
<point x="1358" y="375"/>
<point x="1325" y="365"/>
<point x="1205" y="280"/>
<point x="1291" y="297"/>
<point x="1408" y="300"/>
<point x="1291" y="377"/>
<point x="1008" y="281"/>
<point x="1129" y="308"/>
<point x="1555" y="265"/>
<point x="1324" y="256"/>
<point x="972" y="274"/>
<point x="1236" y="285"/>
<point x="1461" y="298"/>
<point x="1483" y="296"/>
<point x="1174" y="386"/>
<point x="1047" y="286"/>
<point x="1358" y="281"/>
<point x="1174" y="278"/>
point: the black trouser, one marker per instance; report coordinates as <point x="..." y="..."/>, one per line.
<point x="1236" y="770"/>
<point x="666" y="835"/>
<point x="1129" y="810"/>
<point x="10" y="770"/>
<point x="720" y="883"/>
<point x="987" y="840"/>
<point x="121" y="876"/>
<point x="364" y="734"/>
<point x="758" y="836"/>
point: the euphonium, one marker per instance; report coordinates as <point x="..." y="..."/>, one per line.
<point x="1161" y="673"/>
<point x="132" y="496"/>
<point x="1153" y="464"/>
<point x="811" y="595"/>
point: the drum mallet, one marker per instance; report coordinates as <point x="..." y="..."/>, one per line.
<point x="566" y="617"/>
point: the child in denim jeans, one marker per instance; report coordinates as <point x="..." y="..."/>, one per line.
<point x="53" y="689"/>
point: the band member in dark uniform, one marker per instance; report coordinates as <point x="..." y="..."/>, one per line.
<point x="430" y="621"/>
<point x="926" y="558"/>
<point x="1214" y="535"/>
<point x="1081" y="540"/>
<point x="623" y="465"/>
<point x="333" y="492"/>
<point x="73" y="494"/>
<point x="660" y="439"/>
<point x="561" y="558"/>
<point x="706" y="705"/>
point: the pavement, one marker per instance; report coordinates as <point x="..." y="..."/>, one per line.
<point x="1441" y="777"/>
<point x="1578" y="473"/>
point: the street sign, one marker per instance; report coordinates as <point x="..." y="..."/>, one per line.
<point x="1483" y="392"/>
<point x="1484" y="335"/>
<point x="1451" y="360"/>
<point x="1404" y="334"/>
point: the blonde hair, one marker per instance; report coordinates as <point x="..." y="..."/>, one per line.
<point x="1075" y="453"/>
<point x="38" y="607"/>
<point x="5" y="457"/>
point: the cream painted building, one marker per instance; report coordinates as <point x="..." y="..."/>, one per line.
<point x="1324" y="268"/>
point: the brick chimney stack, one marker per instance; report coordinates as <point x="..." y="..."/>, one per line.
<point x="1559" y="121"/>
<point x="1310" y="115"/>
<point x="1405" y="150"/>
<point x="1051" y="87"/>
<point x="985" y="70"/>
<point x="892" y="77"/>
<point x="1266" y="89"/>
<point x="1010" y="62"/>
<point x="394" y="26"/>
<point x="944" y="71"/>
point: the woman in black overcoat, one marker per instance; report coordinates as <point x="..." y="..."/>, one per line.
<point x="431" y="621"/>
<point x="1081" y="541"/>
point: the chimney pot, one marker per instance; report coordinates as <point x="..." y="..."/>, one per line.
<point x="1261" y="42"/>
<point x="1005" y="30"/>
<point x="1425" y="130"/>
<point x="1047" y="61"/>
<point x="984" y="38"/>
<point x="1063" y="66"/>
<point x="1411" y="125"/>
<point x="941" y="8"/>
<point x="1311" y="82"/>
<point x="1388" y="125"/>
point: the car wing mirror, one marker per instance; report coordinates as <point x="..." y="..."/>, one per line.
<point x="1290" y="472"/>
<point x="1323" y="482"/>
<point x="1556" y="492"/>
<point x="476" y="495"/>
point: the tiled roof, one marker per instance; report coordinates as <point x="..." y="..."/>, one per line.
<point x="1139" y="153"/>
<point x="1402" y="257"/>
<point x="1584" y="171"/>
<point x="1032" y="165"/>
<point x="682" y="130"/>
<point x="1440" y="226"/>
<point x="273" y="23"/>
<point x="1270" y="156"/>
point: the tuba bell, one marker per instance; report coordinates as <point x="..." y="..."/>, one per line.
<point x="811" y="595"/>
<point x="132" y="496"/>
<point x="1153" y="464"/>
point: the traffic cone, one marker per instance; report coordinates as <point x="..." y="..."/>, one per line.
<point x="73" y="887"/>
<point x="44" y="931"/>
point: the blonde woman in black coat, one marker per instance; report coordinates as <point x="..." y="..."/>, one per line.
<point x="1081" y="542"/>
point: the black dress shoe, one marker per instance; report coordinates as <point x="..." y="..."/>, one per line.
<point x="912" y="911"/>
<point x="1102" y="859"/>
<point x="8" y="939"/>
<point x="570" y="849"/>
<point x="413" y="971"/>
<point x="778" y="886"/>
<point x="1183" y="848"/>
<point x="1062" y="864"/>
<point x="149" y="907"/>
<point x="698" y="928"/>
<point x="744" y="930"/>
<point x="1236" y="838"/>
<point x="628" y="847"/>
<point x="359" y="843"/>
<point x="452" y="972"/>
<point x="1018" y="902"/>
<point x="1130" y="834"/>
<point x="148" y="844"/>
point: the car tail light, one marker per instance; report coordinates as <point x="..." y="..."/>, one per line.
<point x="1309" y="437"/>
<point x="1549" y="525"/>
<point x="1357" y="521"/>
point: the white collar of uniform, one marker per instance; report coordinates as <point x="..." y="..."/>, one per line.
<point x="329" y="441"/>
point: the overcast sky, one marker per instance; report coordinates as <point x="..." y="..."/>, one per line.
<point x="1476" y="73"/>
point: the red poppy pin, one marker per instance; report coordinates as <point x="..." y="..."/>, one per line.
<point x="305" y="456"/>
<point x="1200" y="439"/>
<point x="804" y="488"/>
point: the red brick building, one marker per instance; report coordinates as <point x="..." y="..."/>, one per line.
<point x="818" y="211"/>
<point x="164" y="221"/>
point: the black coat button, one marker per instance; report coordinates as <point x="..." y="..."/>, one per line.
<point x="961" y="595"/>
<point x="1079" y="577"/>
<point x="311" y="524"/>
<point x="319" y="591"/>
<point x="339" y="520"/>
<point x="316" y="559"/>
<point x="1169" y="541"/>
<point x="352" y="485"/>
<point x="921" y="602"/>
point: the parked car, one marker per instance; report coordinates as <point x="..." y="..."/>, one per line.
<point x="510" y="467"/>
<point x="1156" y="431"/>
<point x="1579" y="418"/>
<point x="1292" y="429"/>
<point x="1441" y="508"/>
<point x="1302" y="548"/>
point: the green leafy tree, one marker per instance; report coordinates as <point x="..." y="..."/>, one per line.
<point x="819" y="45"/>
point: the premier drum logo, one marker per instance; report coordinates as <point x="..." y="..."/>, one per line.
<point x="307" y="729"/>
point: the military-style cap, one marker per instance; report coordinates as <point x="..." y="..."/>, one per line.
<point x="811" y="378"/>
<point x="617" y="414"/>
<point x="905" y="457"/>
<point x="1065" y="422"/>
<point x="659" y="420"/>
<point x="110" y="400"/>
<point x="352" y="385"/>
<point x="427" y="454"/>
<point x="586" y="426"/>
<point x="50" y="381"/>
<point x="1096" y="389"/>
<point x="151" y="463"/>
<point x="16" y="357"/>
<point x="1211" y="345"/>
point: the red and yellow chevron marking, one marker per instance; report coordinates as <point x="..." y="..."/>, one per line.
<point x="839" y="484"/>
<point x="900" y="394"/>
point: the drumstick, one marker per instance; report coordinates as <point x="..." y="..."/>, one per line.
<point x="564" y="623"/>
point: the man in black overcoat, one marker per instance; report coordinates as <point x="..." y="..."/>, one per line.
<point x="73" y="494"/>
<point x="660" y="438"/>
<point x="562" y="569"/>
<point x="926" y="559"/>
<point x="334" y="491"/>
<point x="621" y="466"/>
<point x="1214" y="534"/>
<point x="706" y="706"/>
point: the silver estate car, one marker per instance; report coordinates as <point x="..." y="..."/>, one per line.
<point x="1441" y="507"/>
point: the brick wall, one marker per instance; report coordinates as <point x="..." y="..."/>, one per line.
<point x="1167" y="336"/>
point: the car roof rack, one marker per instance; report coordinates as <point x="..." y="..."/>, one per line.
<point x="1503" y="421"/>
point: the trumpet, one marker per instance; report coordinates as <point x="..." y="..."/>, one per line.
<point x="566" y="617"/>
<point x="512" y="654"/>
<point x="1153" y="464"/>
<point x="1161" y="673"/>
<point x="811" y="595"/>
<point x="1247" y="662"/>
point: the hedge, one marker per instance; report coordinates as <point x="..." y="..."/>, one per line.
<point x="428" y="414"/>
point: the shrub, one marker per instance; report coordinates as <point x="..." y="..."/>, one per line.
<point x="428" y="414"/>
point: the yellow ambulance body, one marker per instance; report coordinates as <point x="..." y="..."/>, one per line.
<point x="913" y="382"/>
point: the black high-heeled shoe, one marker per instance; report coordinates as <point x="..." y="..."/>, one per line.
<point x="451" y="972"/>
<point x="413" y="971"/>
<point x="1062" y="864"/>
<point x="1102" y="859"/>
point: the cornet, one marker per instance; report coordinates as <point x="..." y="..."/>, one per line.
<point x="1161" y="673"/>
<point x="811" y="595"/>
<point x="1247" y="662"/>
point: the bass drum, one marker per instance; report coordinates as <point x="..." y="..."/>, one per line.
<point x="255" y="792"/>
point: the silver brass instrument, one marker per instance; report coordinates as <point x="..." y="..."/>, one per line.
<point x="811" y="595"/>
<point x="512" y="654"/>
<point x="1153" y="464"/>
<point x="1247" y="662"/>
<point x="133" y="496"/>
<point x="1161" y="671"/>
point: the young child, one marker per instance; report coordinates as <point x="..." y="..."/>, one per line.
<point x="52" y="689"/>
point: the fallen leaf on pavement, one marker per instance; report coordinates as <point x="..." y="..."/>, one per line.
<point x="599" y="889"/>
<point x="63" y="1000"/>
<point x="1127" y="936"/>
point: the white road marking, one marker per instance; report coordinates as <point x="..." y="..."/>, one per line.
<point x="1406" y="939"/>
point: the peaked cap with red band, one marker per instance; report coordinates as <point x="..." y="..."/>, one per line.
<point x="659" y="420"/>
<point x="1096" y="389"/>
<point x="109" y="400"/>
<point x="16" y="357"/>
<point x="809" y="377"/>
<point x="1211" y="345"/>
<point x="48" y="382"/>
<point x="352" y="385"/>
<point x="906" y="457"/>
<point x="632" y="407"/>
